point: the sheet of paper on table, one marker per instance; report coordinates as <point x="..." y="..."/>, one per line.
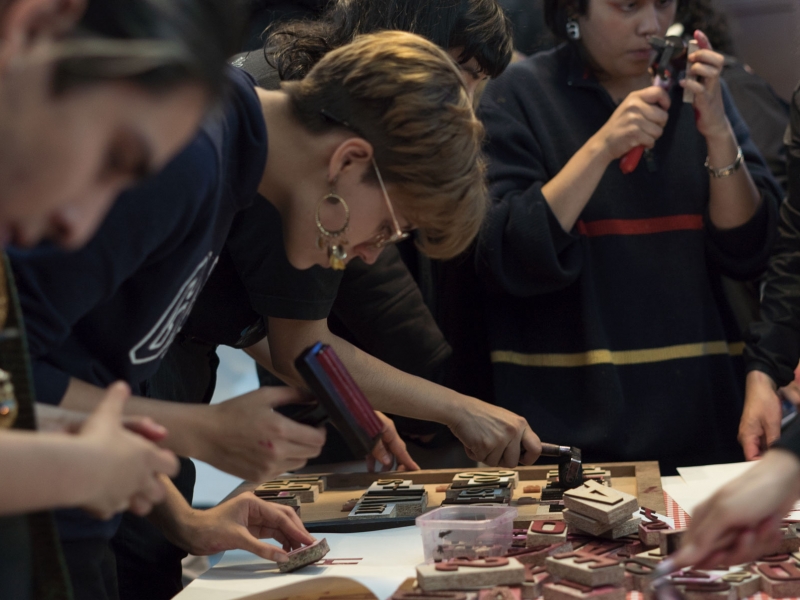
<point x="386" y="560"/>
<point x="697" y="484"/>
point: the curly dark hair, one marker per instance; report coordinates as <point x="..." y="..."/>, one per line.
<point x="703" y="15"/>
<point x="479" y="27"/>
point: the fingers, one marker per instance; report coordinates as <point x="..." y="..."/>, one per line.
<point x="394" y="445"/>
<point x="261" y="549"/>
<point x="380" y="453"/>
<point x="281" y="395"/>
<point x="164" y="461"/>
<point x="532" y="447"/>
<point x="702" y="40"/>
<point x="145" y="427"/>
<point x="751" y="444"/>
<point x="110" y="408"/>
<point x="285" y="520"/>
<point x="655" y="96"/>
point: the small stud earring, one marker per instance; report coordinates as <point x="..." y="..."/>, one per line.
<point x="573" y="30"/>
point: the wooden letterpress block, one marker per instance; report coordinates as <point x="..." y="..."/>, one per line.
<point x="479" y="496"/>
<point x="395" y="487"/>
<point x="527" y="500"/>
<point x="652" y="557"/>
<point x="633" y="546"/>
<point x="601" y="503"/>
<point x="285" y="498"/>
<point x="588" y="569"/>
<point x="744" y="583"/>
<point x="532" y="489"/>
<point x="570" y="590"/>
<point x="790" y="541"/>
<point x="535" y="578"/>
<point x="373" y="511"/>
<point x="596" y="546"/>
<point x="320" y="482"/>
<point x="350" y="504"/>
<point x="488" y="476"/>
<point x="650" y="532"/>
<point x="305" y="492"/>
<point x="500" y="593"/>
<point x="640" y="573"/>
<point x="780" y="580"/>
<point x="536" y="555"/>
<point x="519" y="538"/>
<point x="406" y="506"/>
<point x="547" y="532"/>
<point x="302" y="557"/>
<point x="670" y="541"/>
<point x="713" y="590"/>
<point x="461" y="574"/>
<point x="597" y="528"/>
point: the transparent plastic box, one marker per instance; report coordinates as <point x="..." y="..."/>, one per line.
<point x="466" y="531"/>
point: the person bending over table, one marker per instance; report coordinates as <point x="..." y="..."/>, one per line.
<point x="379" y="138"/>
<point x="92" y="98"/>
<point x="608" y="327"/>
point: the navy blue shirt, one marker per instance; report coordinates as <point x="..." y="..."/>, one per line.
<point x="111" y="310"/>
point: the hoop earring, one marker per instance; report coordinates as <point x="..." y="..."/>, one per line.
<point x="336" y="252"/>
<point x="573" y="30"/>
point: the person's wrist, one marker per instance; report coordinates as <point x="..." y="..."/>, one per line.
<point x="761" y="379"/>
<point x="599" y="150"/>
<point x="787" y="463"/>
<point x="720" y="135"/>
<point x="191" y="428"/>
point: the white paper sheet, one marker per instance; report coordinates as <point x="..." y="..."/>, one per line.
<point x="388" y="559"/>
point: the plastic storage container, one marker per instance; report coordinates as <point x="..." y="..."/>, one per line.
<point x="466" y="531"/>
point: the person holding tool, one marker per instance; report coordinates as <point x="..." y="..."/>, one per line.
<point x="741" y="521"/>
<point x="608" y="327"/>
<point x="347" y="173"/>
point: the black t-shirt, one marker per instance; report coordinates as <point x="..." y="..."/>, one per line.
<point x="111" y="310"/>
<point x="254" y="279"/>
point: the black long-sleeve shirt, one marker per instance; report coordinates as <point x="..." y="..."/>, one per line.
<point x="614" y="336"/>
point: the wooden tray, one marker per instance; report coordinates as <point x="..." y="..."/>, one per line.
<point x="642" y="479"/>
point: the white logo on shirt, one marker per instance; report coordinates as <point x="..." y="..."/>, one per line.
<point x="155" y="344"/>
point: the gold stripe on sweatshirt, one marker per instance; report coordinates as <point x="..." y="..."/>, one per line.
<point x="619" y="357"/>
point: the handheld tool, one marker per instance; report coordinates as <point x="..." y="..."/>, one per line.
<point x="340" y="399"/>
<point x="668" y="61"/>
<point x="570" y="467"/>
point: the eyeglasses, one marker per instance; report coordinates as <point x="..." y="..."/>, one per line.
<point x="381" y="240"/>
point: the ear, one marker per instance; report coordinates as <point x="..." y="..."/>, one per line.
<point x="27" y="21"/>
<point x="353" y="153"/>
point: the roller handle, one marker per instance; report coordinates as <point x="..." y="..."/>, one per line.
<point x="555" y="450"/>
<point x="630" y="161"/>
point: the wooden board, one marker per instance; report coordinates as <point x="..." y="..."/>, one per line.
<point x="642" y="479"/>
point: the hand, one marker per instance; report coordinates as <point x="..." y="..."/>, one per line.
<point x="706" y="65"/>
<point x="760" y="425"/>
<point x="790" y="393"/>
<point x="494" y="435"/>
<point x="240" y="523"/>
<point x="390" y="447"/>
<point x="245" y="437"/>
<point x="127" y="466"/>
<point x="61" y="420"/>
<point x="638" y="121"/>
<point x="741" y="522"/>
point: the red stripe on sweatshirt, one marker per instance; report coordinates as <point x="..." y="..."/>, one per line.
<point x="640" y="226"/>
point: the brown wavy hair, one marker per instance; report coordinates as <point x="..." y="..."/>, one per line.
<point x="407" y="98"/>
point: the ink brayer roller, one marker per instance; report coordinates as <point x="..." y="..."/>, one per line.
<point x="570" y="467"/>
<point x="340" y="400"/>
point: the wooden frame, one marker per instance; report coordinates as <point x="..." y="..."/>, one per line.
<point x="643" y="479"/>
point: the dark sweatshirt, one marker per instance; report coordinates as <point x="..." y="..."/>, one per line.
<point x="614" y="336"/>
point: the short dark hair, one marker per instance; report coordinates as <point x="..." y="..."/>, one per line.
<point x="157" y="44"/>
<point x="480" y="27"/>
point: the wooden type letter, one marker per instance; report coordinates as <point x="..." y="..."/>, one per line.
<point x="479" y="496"/>
<point x="547" y="532"/>
<point x="305" y="492"/>
<point x="302" y="557"/>
<point x="532" y="489"/>
<point x="595" y="546"/>
<point x="461" y="574"/>
<point x="744" y="583"/>
<point x="395" y="487"/>
<point x="588" y="569"/>
<point x="650" y="532"/>
<point x="406" y="506"/>
<point x="487" y="476"/>
<point x="780" y="580"/>
<point x="790" y="541"/>
<point x="569" y="590"/>
<point x="376" y="511"/>
<point x="652" y="557"/>
<point x="671" y="541"/>
<point x="597" y="528"/>
<point x="536" y="555"/>
<point x="500" y="593"/>
<point x="527" y="501"/>
<point x="640" y="572"/>
<point x="535" y="578"/>
<point x="601" y="503"/>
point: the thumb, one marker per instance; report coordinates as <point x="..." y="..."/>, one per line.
<point x="110" y="408"/>
<point x="752" y="447"/>
<point x="702" y="40"/>
<point x="261" y="549"/>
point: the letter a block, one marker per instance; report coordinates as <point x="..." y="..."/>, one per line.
<point x="465" y="574"/>
<point x="588" y="569"/>
<point x="601" y="503"/>
<point x="302" y="557"/>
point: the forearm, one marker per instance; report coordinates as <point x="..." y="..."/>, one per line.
<point x="388" y="389"/>
<point x="260" y="353"/>
<point x="173" y="515"/>
<point x="184" y="422"/>
<point x="45" y="470"/>
<point x="733" y="199"/>
<point x="568" y="192"/>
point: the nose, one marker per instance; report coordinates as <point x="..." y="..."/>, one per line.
<point x="649" y="22"/>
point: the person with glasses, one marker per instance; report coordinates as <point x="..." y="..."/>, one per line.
<point x="115" y="306"/>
